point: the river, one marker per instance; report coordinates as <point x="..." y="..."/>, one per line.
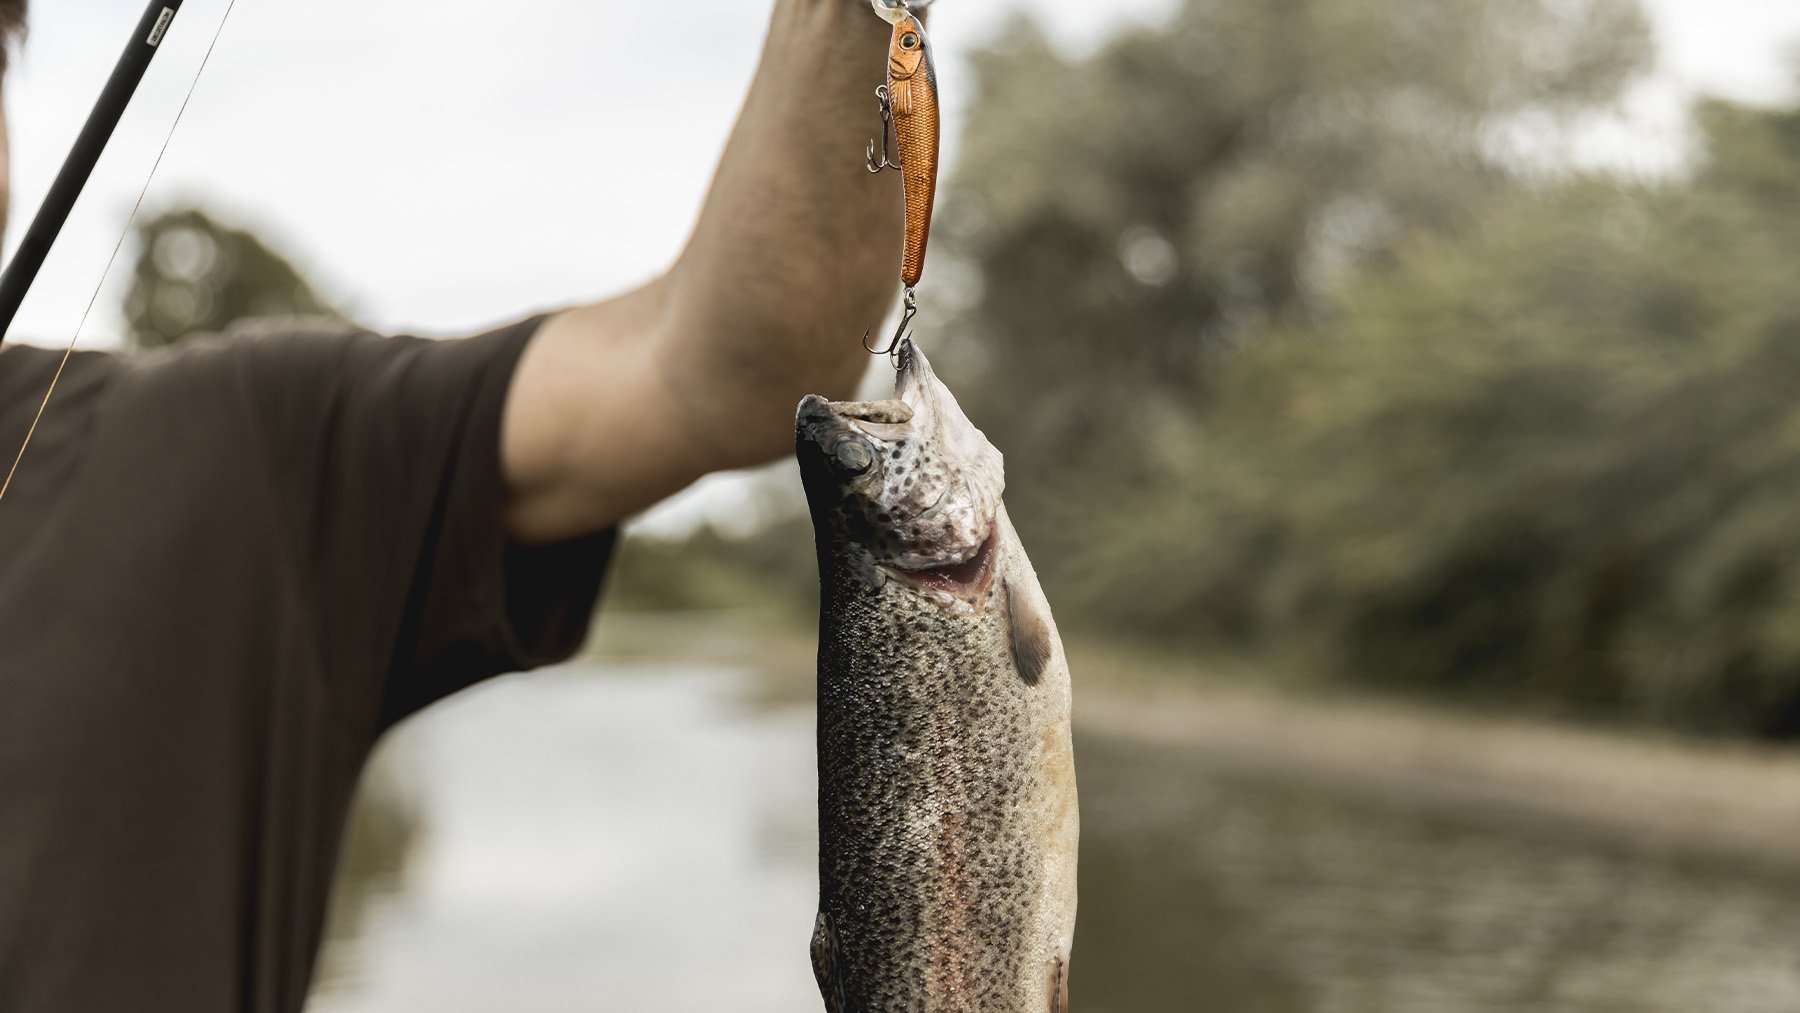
<point x="640" y="836"/>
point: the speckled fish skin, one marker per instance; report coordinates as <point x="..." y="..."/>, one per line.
<point x="912" y="97"/>
<point x="947" y="807"/>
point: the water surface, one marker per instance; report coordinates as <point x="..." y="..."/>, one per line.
<point x="641" y="837"/>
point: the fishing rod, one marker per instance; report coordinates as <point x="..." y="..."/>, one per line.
<point x="90" y="144"/>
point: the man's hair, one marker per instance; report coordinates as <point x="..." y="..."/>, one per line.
<point x="12" y="27"/>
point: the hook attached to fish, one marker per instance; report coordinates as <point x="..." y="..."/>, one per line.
<point x="910" y="309"/>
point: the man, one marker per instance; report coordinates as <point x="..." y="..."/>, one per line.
<point x="224" y="573"/>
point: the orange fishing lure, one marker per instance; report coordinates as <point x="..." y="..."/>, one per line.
<point x="910" y="105"/>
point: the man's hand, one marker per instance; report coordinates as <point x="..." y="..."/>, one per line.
<point x="619" y="404"/>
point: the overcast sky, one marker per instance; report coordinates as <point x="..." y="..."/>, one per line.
<point x="438" y="165"/>
<point x="442" y="164"/>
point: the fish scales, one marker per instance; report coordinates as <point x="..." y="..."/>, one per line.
<point x="947" y="805"/>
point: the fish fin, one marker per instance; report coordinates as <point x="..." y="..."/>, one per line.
<point x="1030" y="637"/>
<point x="825" y="964"/>
<point x="1059" y="986"/>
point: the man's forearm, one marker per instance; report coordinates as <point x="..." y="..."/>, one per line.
<point x="795" y="253"/>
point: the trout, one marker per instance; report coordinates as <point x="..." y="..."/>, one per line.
<point x="947" y="808"/>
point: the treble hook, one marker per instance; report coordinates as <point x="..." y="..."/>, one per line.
<point x="887" y="159"/>
<point x="912" y="310"/>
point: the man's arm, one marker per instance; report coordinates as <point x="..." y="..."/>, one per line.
<point x="619" y="404"/>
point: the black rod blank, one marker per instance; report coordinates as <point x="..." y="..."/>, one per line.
<point x="19" y="275"/>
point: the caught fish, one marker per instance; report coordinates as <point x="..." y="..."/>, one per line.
<point x="910" y="105"/>
<point x="947" y="806"/>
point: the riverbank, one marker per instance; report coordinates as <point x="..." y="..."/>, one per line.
<point x="1728" y="801"/>
<point x="1713" y="799"/>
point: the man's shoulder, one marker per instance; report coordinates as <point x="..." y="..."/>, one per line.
<point x="264" y="366"/>
<point x="28" y="371"/>
<point x="205" y="367"/>
<point x="302" y="336"/>
<point x="347" y="346"/>
<point x="23" y="365"/>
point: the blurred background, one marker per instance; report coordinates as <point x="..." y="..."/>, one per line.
<point x="1399" y="403"/>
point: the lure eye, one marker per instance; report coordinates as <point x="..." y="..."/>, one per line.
<point x="909" y="41"/>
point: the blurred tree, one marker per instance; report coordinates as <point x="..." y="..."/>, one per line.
<point x="196" y="276"/>
<point x="1556" y="459"/>
<point x="1130" y="215"/>
<point x="1483" y="427"/>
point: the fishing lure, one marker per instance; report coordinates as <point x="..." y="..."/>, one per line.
<point x="910" y="123"/>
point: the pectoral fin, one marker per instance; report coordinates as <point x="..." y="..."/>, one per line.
<point x="1059" y="987"/>
<point x="901" y="97"/>
<point x="825" y="964"/>
<point x="1030" y="637"/>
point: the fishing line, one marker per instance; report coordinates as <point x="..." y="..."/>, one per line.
<point x="159" y="24"/>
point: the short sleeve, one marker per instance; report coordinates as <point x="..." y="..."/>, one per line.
<point x="388" y="449"/>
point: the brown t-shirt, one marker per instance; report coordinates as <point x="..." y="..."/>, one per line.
<point x="223" y="573"/>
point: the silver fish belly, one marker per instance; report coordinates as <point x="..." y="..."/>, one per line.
<point x="947" y="807"/>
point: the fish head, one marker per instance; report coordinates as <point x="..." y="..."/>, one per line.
<point x="907" y="51"/>
<point x="908" y="485"/>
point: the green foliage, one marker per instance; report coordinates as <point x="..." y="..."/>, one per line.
<point x="1289" y="348"/>
<point x="1135" y="216"/>
<point x="196" y="276"/>
<point x="1554" y="460"/>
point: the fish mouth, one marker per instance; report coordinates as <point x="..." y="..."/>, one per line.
<point x="909" y="482"/>
<point x="819" y="418"/>
<point x="967" y="580"/>
<point x="815" y="418"/>
<point x="909" y="379"/>
<point x="822" y="422"/>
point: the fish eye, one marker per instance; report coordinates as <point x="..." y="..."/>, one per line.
<point x="852" y="455"/>
<point x="909" y="41"/>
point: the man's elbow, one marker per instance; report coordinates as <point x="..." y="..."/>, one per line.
<point x="741" y="388"/>
<point x="762" y="429"/>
